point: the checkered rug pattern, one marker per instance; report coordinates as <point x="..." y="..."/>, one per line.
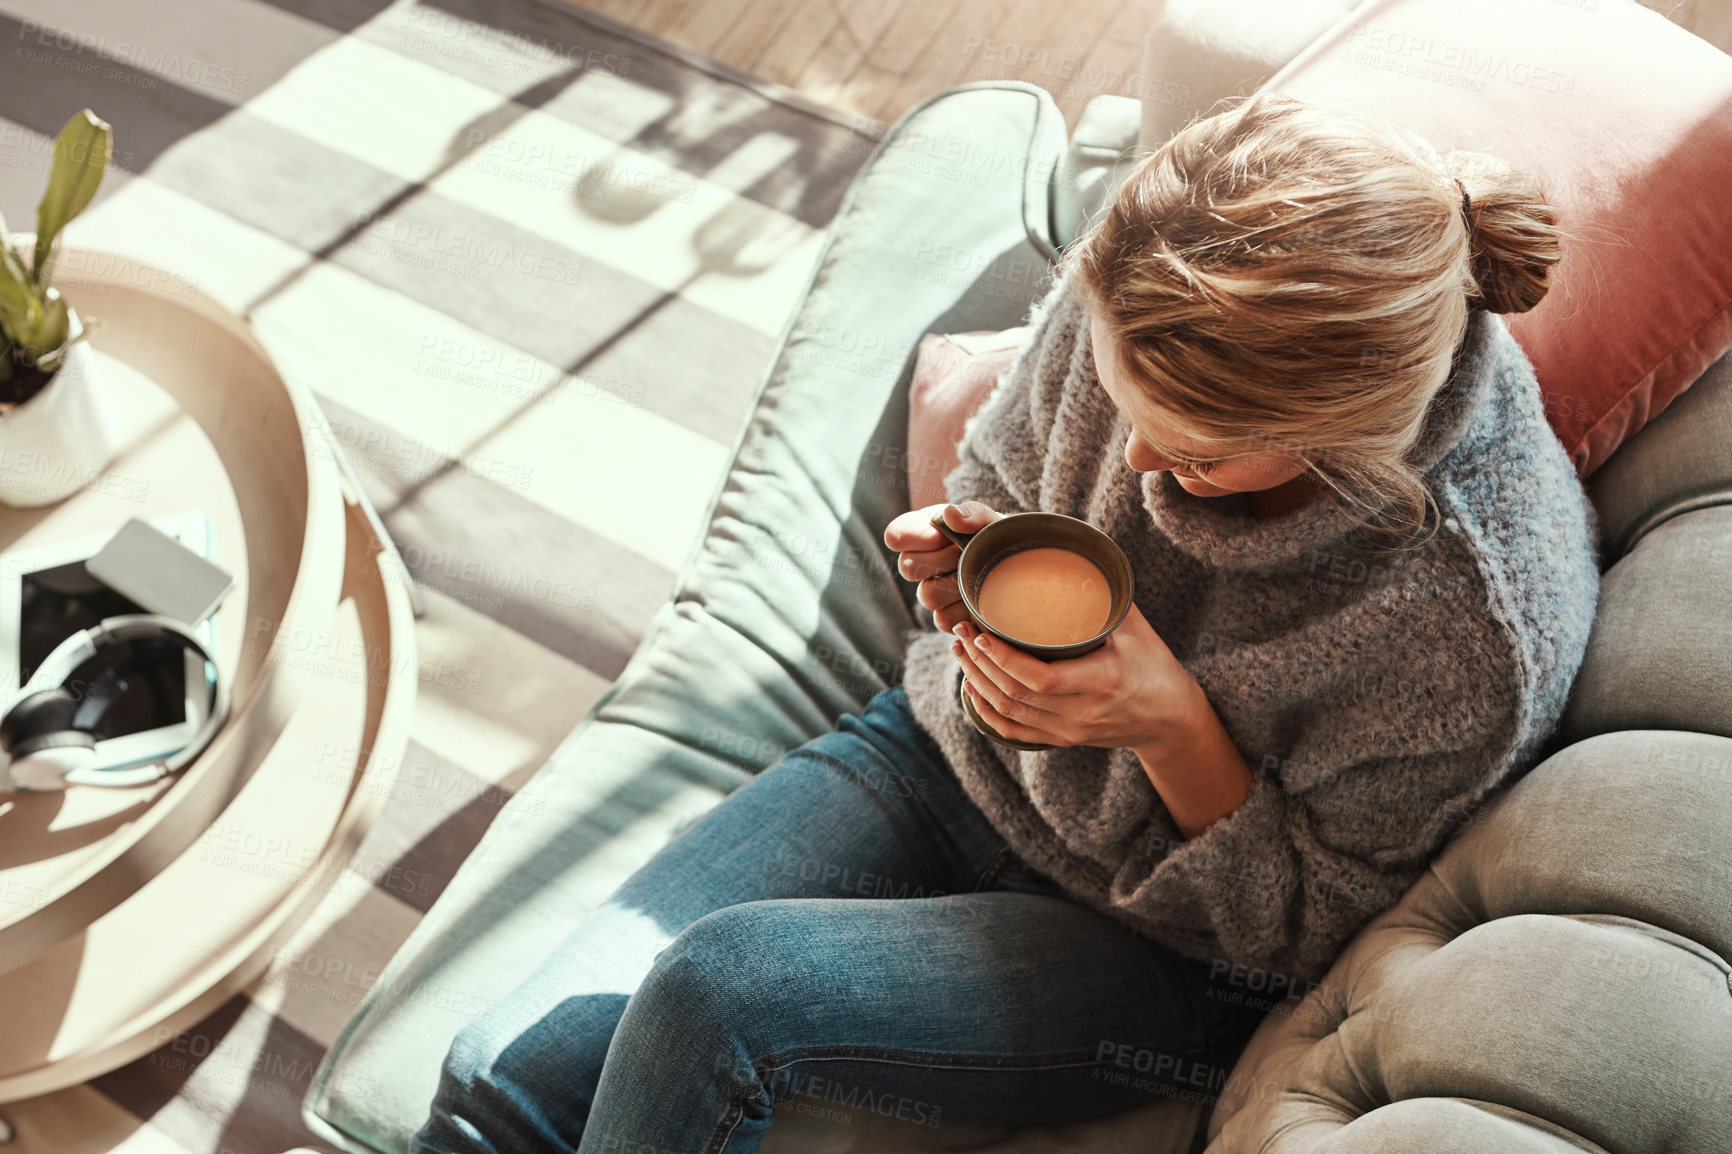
<point x="532" y="264"/>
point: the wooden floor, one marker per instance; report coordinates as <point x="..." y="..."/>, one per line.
<point x="878" y="57"/>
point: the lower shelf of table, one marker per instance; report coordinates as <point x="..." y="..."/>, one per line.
<point x="205" y="926"/>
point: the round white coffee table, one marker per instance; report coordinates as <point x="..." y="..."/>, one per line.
<point x="127" y="915"/>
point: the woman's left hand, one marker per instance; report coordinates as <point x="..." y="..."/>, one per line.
<point x="1131" y="692"/>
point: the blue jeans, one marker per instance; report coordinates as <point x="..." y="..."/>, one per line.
<point x="845" y="932"/>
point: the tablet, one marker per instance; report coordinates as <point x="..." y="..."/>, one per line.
<point x="47" y="594"/>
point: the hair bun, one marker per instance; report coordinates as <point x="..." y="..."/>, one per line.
<point x="1512" y="230"/>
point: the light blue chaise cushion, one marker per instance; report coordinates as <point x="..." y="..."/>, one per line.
<point x="787" y="613"/>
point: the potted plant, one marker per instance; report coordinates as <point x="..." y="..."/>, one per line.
<point x="54" y="429"/>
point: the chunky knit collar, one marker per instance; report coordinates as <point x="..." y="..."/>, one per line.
<point x="1220" y="532"/>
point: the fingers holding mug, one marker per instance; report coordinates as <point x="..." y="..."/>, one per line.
<point x="928" y="564"/>
<point x="938" y="593"/>
<point x="913" y="532"/>
<point x="959" y="522"/>
<point x="952" y="615"/>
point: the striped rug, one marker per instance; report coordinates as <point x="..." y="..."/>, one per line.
<point x="532" y="263"/>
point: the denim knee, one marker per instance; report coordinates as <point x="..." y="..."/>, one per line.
<point x="722" y="989"/>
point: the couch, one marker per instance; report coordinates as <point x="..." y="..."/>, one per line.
<point x="1558" y="981"/>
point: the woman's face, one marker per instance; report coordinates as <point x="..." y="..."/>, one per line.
<point x="1197" y="474"/>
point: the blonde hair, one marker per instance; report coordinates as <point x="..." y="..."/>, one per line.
<point x="1298" y="278"/>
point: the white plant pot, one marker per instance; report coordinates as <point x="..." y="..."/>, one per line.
<point x="59" y="440"/>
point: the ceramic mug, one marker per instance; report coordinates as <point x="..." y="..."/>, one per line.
<point x="1012" y="533"/>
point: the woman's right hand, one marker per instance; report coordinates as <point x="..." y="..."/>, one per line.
<point x="929" y="558"/>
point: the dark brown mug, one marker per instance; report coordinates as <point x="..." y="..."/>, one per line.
<point x="1012" y="533"/>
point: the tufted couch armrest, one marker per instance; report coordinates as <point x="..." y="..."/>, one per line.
<point x="1556" y="982"/>
<point x="1680" y="461"/>
<point x="1660" y="656"/>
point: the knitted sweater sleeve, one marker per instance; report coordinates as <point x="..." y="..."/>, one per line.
<point x="1341" y="822"/>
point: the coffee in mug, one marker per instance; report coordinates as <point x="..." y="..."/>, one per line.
<point x="1046" y="596"/>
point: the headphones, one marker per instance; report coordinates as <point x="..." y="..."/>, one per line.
<point x="47" y="733"/>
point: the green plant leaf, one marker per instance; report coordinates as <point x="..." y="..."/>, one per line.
<point x="46" y="331"/>
<point x="50" y="362"/>
<point x="17" y="291"/>
<point x="81" y="154"/>
<point x="20" y="303"/>
<point x="10" y="268"/>
<point x="54" y="331"/>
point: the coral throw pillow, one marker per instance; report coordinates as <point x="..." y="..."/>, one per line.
<point x="954" y="373"/>
<point x="1625" y="119"/>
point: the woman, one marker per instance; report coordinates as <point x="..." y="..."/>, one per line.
<point x="1365" y="577"/>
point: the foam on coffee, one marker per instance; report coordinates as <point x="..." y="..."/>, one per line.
<point x="1046" y="596"/>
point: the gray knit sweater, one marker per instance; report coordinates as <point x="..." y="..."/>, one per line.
<point x="1376" y="695"/>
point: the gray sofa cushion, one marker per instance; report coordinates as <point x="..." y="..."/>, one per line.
<point x="787" y="614"/>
